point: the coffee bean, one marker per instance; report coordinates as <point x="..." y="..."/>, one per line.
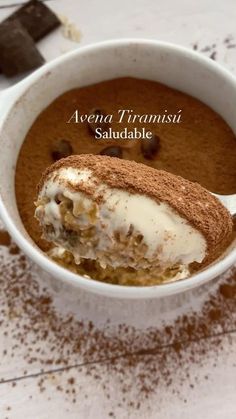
<point x="61" y="149"/>
<point x="98" y="121"/>
<point x="112" y="151"/>
<point x="150" y="148"/>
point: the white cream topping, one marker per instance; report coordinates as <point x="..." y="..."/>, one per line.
<point x="168" y="236"/>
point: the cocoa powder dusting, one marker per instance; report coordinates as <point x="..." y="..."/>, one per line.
<point x="151" y="359"/>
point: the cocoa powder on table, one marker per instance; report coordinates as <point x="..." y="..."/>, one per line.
<point x="153" y="358"/>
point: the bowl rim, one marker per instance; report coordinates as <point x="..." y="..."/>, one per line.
<point x="91" y="285"/>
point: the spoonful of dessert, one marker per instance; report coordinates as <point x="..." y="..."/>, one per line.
<point x="126" y="214"/>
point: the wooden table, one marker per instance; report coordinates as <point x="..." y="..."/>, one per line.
<point x="203" y="23"/>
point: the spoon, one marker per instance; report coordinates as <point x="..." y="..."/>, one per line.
<point x="229" y="201"/>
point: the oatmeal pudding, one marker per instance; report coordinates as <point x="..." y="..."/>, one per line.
<point x="200" y="148"/>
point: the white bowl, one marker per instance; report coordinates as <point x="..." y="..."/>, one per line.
<point x="172" y="65"/>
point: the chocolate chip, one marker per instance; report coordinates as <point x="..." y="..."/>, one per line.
<point x="112" y="151"/>
<point x="150" y="148"/>
<point x="98" y="121"/>
<point x="61" y="149"/>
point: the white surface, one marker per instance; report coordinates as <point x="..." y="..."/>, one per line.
<point x="185" y="22"/>
<point x="214" y="401"/>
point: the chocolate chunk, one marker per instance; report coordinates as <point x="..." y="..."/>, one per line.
<point x="37" y="19"/>
<point x="61" y="149"/>
<point x="112" y="151"/>
<point x="98" y="122"/>
<point x="18" y="53"/>
<point x="150" y="148"/>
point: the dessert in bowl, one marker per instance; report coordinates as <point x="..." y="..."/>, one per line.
<point x="157" y="62"/>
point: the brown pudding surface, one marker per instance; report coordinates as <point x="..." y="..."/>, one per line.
<point x="200" y="148"/>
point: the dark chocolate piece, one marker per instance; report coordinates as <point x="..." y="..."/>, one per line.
<point x="61" y="149"/>
<point x="150" y="148"/>
<point x="18" y="53"/>
<point x="112" y="151"/>
<point x="37" y="19"/>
